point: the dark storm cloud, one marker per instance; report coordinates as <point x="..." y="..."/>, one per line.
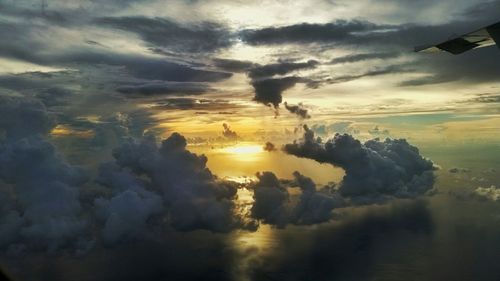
<point x="172" y="88"/>
<point x="273" y="204"/>
<point x="269" y="91"/>
<point x="338" y="31"/>
<point x="54" y="96"/>
<point x="374" y="170"/>
<point x="196" y="199"/>
<point x="298" y="110"/>
<point x="199" y="38"/>
<point x="48" y="212"/>
<point x="363" y="57"/>
<point x="125" y="214"/>
<point x="270" y="198"/>
<point x="313" y="207"/>
<point x="350" y="250"/>
<point x="281" y="68"/>
<point x="22" y="42"/>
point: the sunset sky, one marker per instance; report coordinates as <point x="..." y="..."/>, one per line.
<point x="247" y="140"/>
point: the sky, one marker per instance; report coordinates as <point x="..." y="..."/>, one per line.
<point x="247" y="140"/>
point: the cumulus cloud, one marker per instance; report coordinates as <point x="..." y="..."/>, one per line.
<point x="270" y="147"/>
<point x="491" y="193"/>
<point x="373" y="170"/>
<point x="270" y="199"/>
<point x="194" y="197"/>
<point x="49" y="213"/>
<point x="228" y="133"/>
<point x="124" y="214"/>
<point x="298" y="110"/>
<point x="274" y="205"/>
<point x="313" y="206"/>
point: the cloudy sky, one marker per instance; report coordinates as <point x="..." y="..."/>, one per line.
<point x="247" y="140"/>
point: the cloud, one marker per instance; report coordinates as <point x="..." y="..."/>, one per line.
<point x="274" y="205"/>
<point x="126" y="213"/>
<point x="25" y="118"/>
<point x="349" y="249"/>
<point x="363" y="57"/>
<point x="228" y="133"/>
<point x="45" y="186"/>
<point x="269" y="91"/>
<point x="486" y="98"/>
<point x="197" y="38"/>
<point x="196" y="199"/>
<point x="298" y="110"/>
<point x="373" y="170"/>
<point x="378" y="132"/>
<point x="270" y="147"/>
<point x="491" y="193"/>
<point x="281" y="68"/>
<point x="456" y="170"/>
<point x="233" y="65"/>
<point x="335" y="32"/>
<point x="270" y="199"/>
<point x="336" y="127"/>
<point x="166" y="89"/>
<point x="313" y="206"/>
<point x="391" y="69"/>
<point x="195" y="104"/>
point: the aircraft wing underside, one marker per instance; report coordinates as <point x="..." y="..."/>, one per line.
<point x="486" y="36"/>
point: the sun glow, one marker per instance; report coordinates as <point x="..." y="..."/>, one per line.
<point x="243" y="149"/>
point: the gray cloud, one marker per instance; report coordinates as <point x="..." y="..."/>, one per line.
<point x="196" y="199"/>
<point x="334" y="32"/>
<point x="199" y="38"/>
<point x="313" y="206"/>
<point x="274" y="205"/>
<point x="374" y="170"/>
<point x="269" y="91"/>
<point x="298" y="110"/>
<point x="363" y="57"/>
<point x="46" y="187"/>
<point x="281" y="68"/>
<point x="233" y="65"/>
<point x="172" y="88"/>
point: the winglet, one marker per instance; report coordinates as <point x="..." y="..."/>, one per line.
<point x="494" y="32"/>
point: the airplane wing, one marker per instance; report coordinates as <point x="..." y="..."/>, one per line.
<point x="486" y="36"/>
